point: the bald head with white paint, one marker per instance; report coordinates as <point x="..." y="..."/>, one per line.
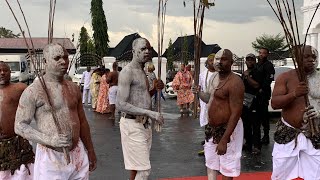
<point x="310" y="59"/>
<point x="224" y="61"/>
<point x="56" y="60"/>
<point x="141" y="50"/>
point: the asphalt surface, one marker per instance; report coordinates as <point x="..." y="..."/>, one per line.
<point x="174" y="151"/>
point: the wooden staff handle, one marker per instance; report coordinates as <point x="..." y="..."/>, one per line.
<point x="160" y="40"/>
<point x="313" y="128"/>
<point x="66" y="154"/>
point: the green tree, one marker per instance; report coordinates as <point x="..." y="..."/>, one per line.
<point x="86" y="45"/>
<point x="170" y="55"/>
<point x="90" y="46"/>
<point x="7" y="33"/>
<point x="83" y="40"/>
<point x="100" y="28"/>
<point x="273" y="43"/>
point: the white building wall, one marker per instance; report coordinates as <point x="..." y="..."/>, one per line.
<point x="313" y="35"/>
<point x="163" y="67"/>
<point x="108" y="61"/>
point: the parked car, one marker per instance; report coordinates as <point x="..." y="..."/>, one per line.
<point x="278" y="70"/>
<point x="170" y="93"/>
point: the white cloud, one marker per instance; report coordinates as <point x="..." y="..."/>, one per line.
<point x="231" y="24"/>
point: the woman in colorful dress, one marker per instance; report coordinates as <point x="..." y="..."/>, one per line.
<point x="182" y="83"/>
<point x="94" y="86"/>
<point x="103" y="98"/>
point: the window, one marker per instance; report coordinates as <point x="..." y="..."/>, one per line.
<point x="80" y="71"/>
<point x="23" y="66"/>
<point x="14" y="66"/>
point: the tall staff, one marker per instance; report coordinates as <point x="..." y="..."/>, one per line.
<point x="198" y="17"/>
<point x="286" y="14"/>
<point x="161" y="24"/>
<point x="31" y="52"/>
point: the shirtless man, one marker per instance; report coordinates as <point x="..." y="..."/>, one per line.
<point x="294" y="154"/>
<point x="224" y="132"/>
<point x="134" y="101"/>
<point x="112" y="80"/>
<point x="66" y="100"/>
<point x="204" y="83"/>
<point x="16" y="155"/>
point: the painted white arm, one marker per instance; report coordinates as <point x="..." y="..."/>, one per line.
<point x="24" y="115"/>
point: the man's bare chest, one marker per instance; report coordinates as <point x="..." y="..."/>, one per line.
<point x="140" y="81"/>
<point x="60" y="98"/>
<point x="8" y="98"/>
<point x="221" y="93"/>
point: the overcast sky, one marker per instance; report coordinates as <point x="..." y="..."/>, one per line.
<point x="232" y="24"/>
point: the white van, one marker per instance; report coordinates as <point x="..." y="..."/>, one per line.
<point x="78" y="75"/>
<point x="18" y="66"/>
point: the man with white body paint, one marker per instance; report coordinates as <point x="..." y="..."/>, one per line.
<point x="134" y="101"/>
<point x="66" y="99"/>
<point x="16" y="155"/>
<point x="295" y="152"/>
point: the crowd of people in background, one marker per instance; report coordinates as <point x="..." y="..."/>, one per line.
<point x="97" y="86"/>
<point x="233" y="108"/>
<point x="257" y="80"/>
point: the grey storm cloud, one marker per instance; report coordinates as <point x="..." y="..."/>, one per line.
<point x="60" y="5"/>
<point x="233" y="11"/>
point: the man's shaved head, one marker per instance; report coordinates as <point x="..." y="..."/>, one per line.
<point x="53" y="49"/>
<point x="224" y="60"/>
<point x="314" y="51"/>
<point x="310" y="58"/>
<point x="141" y="50"/>
<point x="224" y="52"/>
<point x="228" y="54"/>
<point x="136" y="41"/>
<point x="2" y="63"/>
<point x="4" y="73"/>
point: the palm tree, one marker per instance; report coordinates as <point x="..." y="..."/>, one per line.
<point x="7" y="33"/>
<point x="273" y="43"/>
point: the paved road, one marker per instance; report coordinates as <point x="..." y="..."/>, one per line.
<point x="174" y="151"/>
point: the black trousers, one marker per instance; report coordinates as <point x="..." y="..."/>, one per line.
<point x="251" y="127"/>
<point x="263" y="115"/>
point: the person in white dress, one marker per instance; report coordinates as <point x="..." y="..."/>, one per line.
<point x="86" y="77"/>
